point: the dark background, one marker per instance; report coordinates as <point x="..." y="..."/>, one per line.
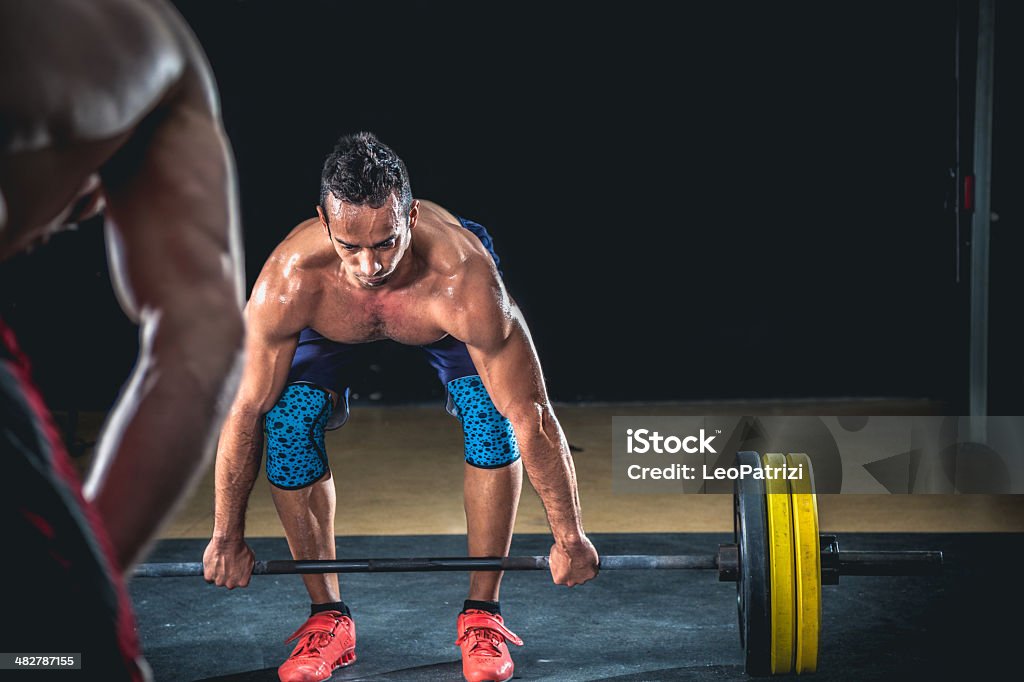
<point x="714" y="201"/>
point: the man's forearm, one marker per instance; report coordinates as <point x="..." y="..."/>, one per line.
<point x="549" y="466"/>
<point x="238" y="464"/>
<point x="160" y="435"/>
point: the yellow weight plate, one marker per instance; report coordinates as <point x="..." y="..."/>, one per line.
<point x="807" y="564"/>
<point x="780" y="563"/>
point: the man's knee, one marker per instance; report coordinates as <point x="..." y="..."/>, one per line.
<point x="294" y="429"/>
<point x="490" y="441"/>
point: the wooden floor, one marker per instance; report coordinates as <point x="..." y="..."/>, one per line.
<point x="398" y="471"/>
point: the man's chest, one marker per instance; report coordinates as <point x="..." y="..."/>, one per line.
<point x="404" y="317"/>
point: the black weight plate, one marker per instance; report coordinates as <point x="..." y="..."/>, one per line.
<point x="753" y="597"/>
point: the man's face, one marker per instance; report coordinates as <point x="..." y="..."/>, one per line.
<point x="87" y="203"/>
<point x="369" y="241"/>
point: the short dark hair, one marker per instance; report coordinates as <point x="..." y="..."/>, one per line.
<point x="364" y="171"/>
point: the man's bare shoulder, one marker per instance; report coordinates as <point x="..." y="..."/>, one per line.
<point x="293" y="278"/>
<point x="302" y="259"/>
<point x="74" y="71"/>
<point x="478" y="305"/>
<point x="450" y="249"/>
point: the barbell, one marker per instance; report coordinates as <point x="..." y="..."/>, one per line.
<point x="778" y="560"/>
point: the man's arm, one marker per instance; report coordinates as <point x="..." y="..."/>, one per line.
<point x="499" y="343"/>
<point x="175" y="257"/>
<point x="273" y="332"/>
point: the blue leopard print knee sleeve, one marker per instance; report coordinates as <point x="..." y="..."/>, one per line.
<point x="490" y="441"/>
<point x="294" y="429"/>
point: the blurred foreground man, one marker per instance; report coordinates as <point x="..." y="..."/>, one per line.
<point x="110" y="104"/>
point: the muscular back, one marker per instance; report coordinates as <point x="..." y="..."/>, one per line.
<point x="74" y="71"/>
<point x="77" y="79"/>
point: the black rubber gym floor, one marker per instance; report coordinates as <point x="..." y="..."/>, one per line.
<point x="626" y="625"/>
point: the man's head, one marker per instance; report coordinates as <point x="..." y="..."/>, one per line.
<point x="367" y="208"/>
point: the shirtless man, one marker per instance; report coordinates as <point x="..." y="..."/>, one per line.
<point x="377" y="264"/>
<point x="112" y="102"/>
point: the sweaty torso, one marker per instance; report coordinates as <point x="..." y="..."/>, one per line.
<point x="445" y="259"/>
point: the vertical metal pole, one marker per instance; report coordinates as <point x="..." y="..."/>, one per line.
<point x="980" y="220"/>
<point x="957" y="170"/>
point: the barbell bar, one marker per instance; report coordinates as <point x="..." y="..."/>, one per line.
<point x="843" y="562"/>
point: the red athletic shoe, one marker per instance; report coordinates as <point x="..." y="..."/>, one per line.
<point x="326" y="641"/>
<point x="482" y="637"/>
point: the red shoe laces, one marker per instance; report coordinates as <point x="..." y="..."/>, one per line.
<point x="313" y="642"/>
<point x="485" y="641"/>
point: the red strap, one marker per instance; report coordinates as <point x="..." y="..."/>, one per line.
<point x="487" y="621"/>
<point x="324" y="622"/>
